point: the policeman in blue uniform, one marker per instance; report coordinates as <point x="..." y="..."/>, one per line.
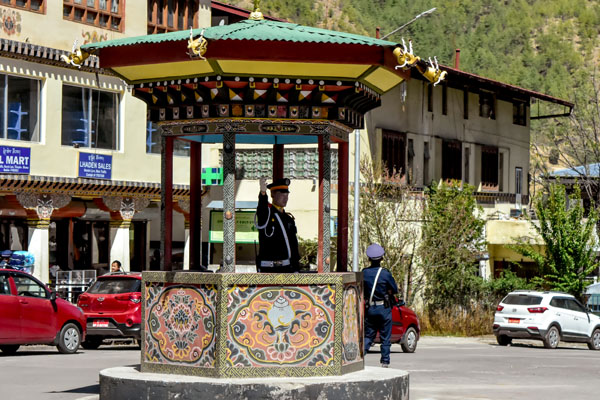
<point x="277" y="234"/>
<point x="379" y="290"/>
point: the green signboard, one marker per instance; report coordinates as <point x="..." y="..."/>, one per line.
<point x="245" y="231"/>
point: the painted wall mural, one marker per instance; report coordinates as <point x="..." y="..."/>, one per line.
<point x="11" y="21"/>
<point x="280" y="326"/>
<point x="352" y="331"/>
<point x="93" y="37"/>
<point x="180" y="327"/>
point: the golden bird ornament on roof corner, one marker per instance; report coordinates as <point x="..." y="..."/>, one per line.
<point x="197" y="47"/>
<point x="76" y="57"/>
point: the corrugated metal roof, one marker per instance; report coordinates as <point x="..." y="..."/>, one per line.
<point x="262" y="30"/>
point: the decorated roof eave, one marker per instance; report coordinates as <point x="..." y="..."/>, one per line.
<point x="152" y="62"/>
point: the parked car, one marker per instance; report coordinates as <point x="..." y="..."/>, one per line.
<point x="546" y="316"/>
<point x="113" y="308"/>
<point x="31" y="314"/>
<point x="406" y="328"/>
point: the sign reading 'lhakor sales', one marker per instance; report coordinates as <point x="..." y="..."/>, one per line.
<point x="98" y="166"/>
<point x="15" y="160"/>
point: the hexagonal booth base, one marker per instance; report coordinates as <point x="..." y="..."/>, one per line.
<point x="128" y="383"/>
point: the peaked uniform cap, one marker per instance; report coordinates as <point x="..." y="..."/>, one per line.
<point x="281" y="184"/>
<point x="6" y="253"/>
<point x="375" y="251"/>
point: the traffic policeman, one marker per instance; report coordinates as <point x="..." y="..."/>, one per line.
<point x="379" y="290"/>
<point x="277" y="234"/>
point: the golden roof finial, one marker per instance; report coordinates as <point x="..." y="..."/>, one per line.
<point x="256" y="14"/>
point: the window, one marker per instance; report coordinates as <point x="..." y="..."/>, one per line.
<point x="393" y="147"/>
<point x="467" y="165"/>
<point x="171" y="15"/>
<point x="28" y="287"/>
<point x="444" y="100"/>
<point x="518" y="180"/>
<point x="154" y="145"/>
<point x="489" y="167"/>
<point x="487" y="105"/>
<point x="89" y="118"/>
<point x="520" y="113"/>
<point x="19" y="108"/>
<point x="451" y="160"/>
<point x="466" y="103"/>
<point x="29" y="5"/>
<point x="522" y="300"/>
<point x="106" y="14"/>
<point x="425" y="163"/>
<point x="429" y="98"/>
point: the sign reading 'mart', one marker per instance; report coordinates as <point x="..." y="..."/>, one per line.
<point x="15" y="160"/>
<point x="98" y="166"/>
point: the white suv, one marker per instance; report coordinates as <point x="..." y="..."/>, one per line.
<point x="546" y="316"/>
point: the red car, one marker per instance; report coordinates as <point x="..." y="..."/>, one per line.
<point x="112" y="308"/>
<point x="406" y="329"/>
<point x="30" y="313"/>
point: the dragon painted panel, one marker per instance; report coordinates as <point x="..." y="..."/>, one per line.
<point x="180" y="325"/>
<point x="352" y="328"/>
<point x="281" y="326"/>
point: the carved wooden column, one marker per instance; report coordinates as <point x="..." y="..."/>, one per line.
<point x="166" y="203"/>
<point x="278" y="151"/>
<point x="40" y="207"/>
<point x="195" y="208"/>
<point x="122" y="210"/>
<point x="228" y="202"/>
<point x="323" y="258"/>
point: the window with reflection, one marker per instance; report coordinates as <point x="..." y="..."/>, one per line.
<point x="19" y="108"/>
<point x="90" y="118"/>
<point x="106" y="14"/>
<point x="29" y="5"/>
<point x="153" y="143"/>
<point x="172" y="15"/>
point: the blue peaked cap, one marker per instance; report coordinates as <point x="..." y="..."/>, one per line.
<point x="375" y="251"/>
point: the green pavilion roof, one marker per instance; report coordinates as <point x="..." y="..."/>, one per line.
<point x="262" y="30"/>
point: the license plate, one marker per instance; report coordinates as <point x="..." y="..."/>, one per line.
<point x="100" y="323"/>
<point x="514" y="320"/>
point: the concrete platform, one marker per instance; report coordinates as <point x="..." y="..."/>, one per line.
<point x="369" y="384"/>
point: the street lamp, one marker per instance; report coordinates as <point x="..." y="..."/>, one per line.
<point x="410" y="22"/>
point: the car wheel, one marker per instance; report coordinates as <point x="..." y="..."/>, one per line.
<point x="503" y="340"/>
<point x="69" y="339"/>
<point x="594" y="343"/>
<point x="409" y="341"/>
<point x="10" y="348"/>
<point x="91" y="343"/>
<point x="552" y="338"/>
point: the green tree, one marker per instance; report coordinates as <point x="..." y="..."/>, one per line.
<point x="569" y="254"/>
<point x="452" y="240"/>
<point x="389" y="214"/>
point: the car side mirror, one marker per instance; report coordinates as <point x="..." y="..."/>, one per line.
<point x="52" y="296"/>
<point x="401" y="303"/>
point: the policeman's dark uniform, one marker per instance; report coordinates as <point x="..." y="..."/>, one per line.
<point x="379" y="312"/>
<point x="277" y="238"/>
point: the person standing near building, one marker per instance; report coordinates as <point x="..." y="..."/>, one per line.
<point x="115" y="266"/>
<point x="379" y="290"/>
<point x="5" y="261"/>
<point x="278" y="243"/>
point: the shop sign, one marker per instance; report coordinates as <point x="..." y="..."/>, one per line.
<point x="245" y="231"/>
<point x="97" y="166"/>
<point x="15" y="160"/>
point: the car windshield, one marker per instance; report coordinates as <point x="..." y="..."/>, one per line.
<point x="115" y="286"/>
<point x="522" y="299"/>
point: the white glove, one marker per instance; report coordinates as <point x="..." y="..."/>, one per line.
<point x="263" y="185"/>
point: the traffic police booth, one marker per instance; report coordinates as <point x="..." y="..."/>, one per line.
<point x="269" y="83"/>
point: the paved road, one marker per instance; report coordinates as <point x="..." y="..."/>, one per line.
<point x="477" y="368"/>
<point x="441" y="369"/>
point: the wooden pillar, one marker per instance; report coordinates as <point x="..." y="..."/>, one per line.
<point x="342" y="215"/>
<point x="166" y="203"/>
<point x="195" y="220"/>
<point x="277" y="161"/>
<point x="323" y="258"/>
<point x="228" y="202"/>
